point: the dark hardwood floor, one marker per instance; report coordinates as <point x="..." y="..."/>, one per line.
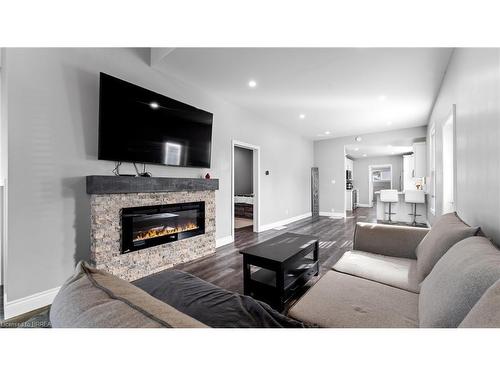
<point x="225" y="269"/>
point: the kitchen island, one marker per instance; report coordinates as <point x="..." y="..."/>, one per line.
<point x="401" y="210"/>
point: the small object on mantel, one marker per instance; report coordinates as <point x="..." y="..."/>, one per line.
<point x="207" y="176"/>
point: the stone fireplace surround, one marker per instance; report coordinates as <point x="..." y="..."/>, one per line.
<point x="109" y="194"/>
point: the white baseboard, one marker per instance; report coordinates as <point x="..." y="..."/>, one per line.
<point x="30" y="303"/>
<point x="363" y="205"/>
<point x="265" y="227"/>
<point x="224" y="241"/>
<point x="334" y="215"/>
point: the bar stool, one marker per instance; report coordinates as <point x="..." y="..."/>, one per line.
<point x="414" y="197"/>
<point x="389" y="196"/>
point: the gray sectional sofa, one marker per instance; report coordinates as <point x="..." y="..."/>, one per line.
<point x="96" y="299"/>
<point x="395" y="276"/>
<point x="408" y="277"/>
<point x="169" y="299"/>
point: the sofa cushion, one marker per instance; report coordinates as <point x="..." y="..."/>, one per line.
<point x="398" y="272"/>
<point x="391" y="240"/>
<point x="446" y="232"/>
<point x="457" y="282"/>
<point x="95" y="299"/>
<point x="486" y="312"/>
<point x="340" y="300"/>
<point x="211" y="305"/>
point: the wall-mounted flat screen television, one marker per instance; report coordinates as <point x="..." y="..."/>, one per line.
<point x="139" y="125"/>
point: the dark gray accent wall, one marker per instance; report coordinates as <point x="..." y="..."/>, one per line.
<point x="243" y="171"/>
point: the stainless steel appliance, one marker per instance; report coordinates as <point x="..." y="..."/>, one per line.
<point x="348" y="178"/>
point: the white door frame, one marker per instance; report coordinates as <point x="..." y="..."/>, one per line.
<point x="256" y="183"/>
<point x="370" y="182"/>
<point x="432" y="172"/>
<point x="451" y="121"/>
<point x="3" y="178"/>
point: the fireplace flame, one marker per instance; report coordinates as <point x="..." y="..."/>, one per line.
<point x="164" y="231"/>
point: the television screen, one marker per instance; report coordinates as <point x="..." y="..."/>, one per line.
<point x="139" y="125"/>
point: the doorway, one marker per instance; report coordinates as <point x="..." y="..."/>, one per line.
<point x="449" y="163"/>
<point x="245" y="197"/>
<point x="379" y="177"/>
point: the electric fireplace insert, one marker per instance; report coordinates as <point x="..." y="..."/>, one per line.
<point x="144" y="227"/>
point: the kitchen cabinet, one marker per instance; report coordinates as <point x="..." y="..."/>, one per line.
<point x="348" y="200"/>
<point x="420" y="159"/>
<point x="351" y="199"/>
<point x="408" y="172"/>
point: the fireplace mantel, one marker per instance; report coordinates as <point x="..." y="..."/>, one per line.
<point x="128" y="184"/>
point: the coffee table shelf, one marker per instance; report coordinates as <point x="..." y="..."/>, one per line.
<point x="268" y="277"/>
<point x="284" y="266"/>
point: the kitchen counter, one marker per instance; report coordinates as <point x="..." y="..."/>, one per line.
<point x="401" y="209"/>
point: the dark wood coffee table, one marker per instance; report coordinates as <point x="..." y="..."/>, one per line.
<point x="275" y="270"/>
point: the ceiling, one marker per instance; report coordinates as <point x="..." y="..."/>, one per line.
<point x="340" y="91"/>
<point x="363" y="151"/>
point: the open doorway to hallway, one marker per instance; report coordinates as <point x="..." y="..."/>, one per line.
<point x="379" y="178"/>
<point x="245" y="187"/>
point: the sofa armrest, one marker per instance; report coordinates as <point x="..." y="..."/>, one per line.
<point x="391" y="240"/>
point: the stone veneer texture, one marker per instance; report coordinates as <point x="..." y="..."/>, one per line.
<point x="105" y="231"/>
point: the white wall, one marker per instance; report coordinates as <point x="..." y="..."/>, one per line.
<point x="472" y="82"/>
<point x="360" y="175"/>
<point x="52" y="122"/>
<point x="329" y="157"/>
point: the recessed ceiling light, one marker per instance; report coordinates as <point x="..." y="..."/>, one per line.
<point x="252" y="83"/>
<point x="302" y="116"/>
<point x="356" y="149"/>
<point x="358" y="139"/>
<point x="154" y="105"/>
<point x="389" y="122"/>
<point x="382" y="98"/>
<point x="393" y="153"/>
<point x="327" y="132"/>
<point x="364" y="155"/>
<point x="389" y="146"/>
